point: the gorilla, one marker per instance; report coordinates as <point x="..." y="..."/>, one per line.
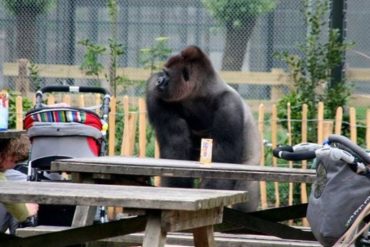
<point x="189" y="101"/>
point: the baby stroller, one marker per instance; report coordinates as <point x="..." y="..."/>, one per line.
<point x="63" y="132"/>
<point x="339" y="204"/>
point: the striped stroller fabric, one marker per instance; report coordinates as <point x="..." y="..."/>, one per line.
<point x="63" y="115"/>
<point x="57" y="116"/>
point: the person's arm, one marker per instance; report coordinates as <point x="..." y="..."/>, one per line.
<point x="18" y="210"/>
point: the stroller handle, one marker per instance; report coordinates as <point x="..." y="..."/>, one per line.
<point x="72" y="89"/>
<point x="347" y="143"/>
<point x="290" y="152"/>
<point x="287" y="152"/>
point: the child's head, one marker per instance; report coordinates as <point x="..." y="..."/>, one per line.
<point x="16" y="150"/>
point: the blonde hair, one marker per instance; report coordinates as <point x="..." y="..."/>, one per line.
<point x="17" y="148"/>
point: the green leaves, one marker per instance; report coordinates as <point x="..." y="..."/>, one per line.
<point x="311" y="70"/>
<point x="153" y="57"/>
<point x="91" y="64"/>
<point x="237" y="12"/>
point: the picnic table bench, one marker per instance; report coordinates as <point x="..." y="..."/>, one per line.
<point x="166" y="209"/>
<point x="265" y="222"/>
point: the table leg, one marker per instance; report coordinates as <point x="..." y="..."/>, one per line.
<point x="203" y="236"/>
<point x="84" y="216"/>
<point x="155" y="236"/>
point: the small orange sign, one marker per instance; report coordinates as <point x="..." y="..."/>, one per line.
<point x="206" y="151"/>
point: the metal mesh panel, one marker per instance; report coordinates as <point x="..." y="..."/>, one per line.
<point x="50" y="35"/>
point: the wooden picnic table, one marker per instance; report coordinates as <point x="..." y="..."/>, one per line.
<point x="6" y="135"/>
<point x="10" y="133"/>
<point x="262" y="221"/>
<point x="119" y="165"/>
<point x="166" y="209"/>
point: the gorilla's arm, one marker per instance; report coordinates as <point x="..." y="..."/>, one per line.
<point x="234" y="141"/>
<point x="172" y="132"/>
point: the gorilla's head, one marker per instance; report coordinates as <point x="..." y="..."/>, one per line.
<point x="182" y="75"/>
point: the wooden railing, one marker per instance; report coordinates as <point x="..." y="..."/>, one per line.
<point x="276" y="79"/>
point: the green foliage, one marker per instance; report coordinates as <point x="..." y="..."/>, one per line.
<point x="26" y="103"/>
<point x="35" y="76"/>
<point x="153" y="58"/>
<point x="311" y="72"/>
<point x="237" y="12"/>
<point x="90" y="63"/>
<point x="35" y="6"/>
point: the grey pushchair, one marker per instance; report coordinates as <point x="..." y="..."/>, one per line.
<point x="339" y="202"/>
<point x="63" y="132"/>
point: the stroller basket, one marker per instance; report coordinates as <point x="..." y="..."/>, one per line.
<point x="62" y="140"/>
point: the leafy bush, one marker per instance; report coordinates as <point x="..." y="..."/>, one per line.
<point x="311" y="71"/>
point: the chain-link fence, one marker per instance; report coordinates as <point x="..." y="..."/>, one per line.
<point x="49" y="32"/>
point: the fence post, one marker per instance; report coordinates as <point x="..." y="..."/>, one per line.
<point x="338" y="120"/>
<point x="320" y="122"/>
<point x="289" y="125"/>
<point x="261" y="118"/>
<point x="352" y="124"/>
<point x="112" y="126"/>
<point x="304" y="129"/>
<point x="142" y="128"/>
<point x="368" y="129"/>
<point x="125" y="135"/>
<point x="274" y="144"/>
<point x="19" y="113"/>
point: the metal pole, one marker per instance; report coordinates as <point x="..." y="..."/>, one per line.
<point x="337" y="21"/>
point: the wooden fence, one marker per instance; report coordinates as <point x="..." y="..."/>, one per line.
<point x="134" y="135"/>
<point x="276" y="79"/>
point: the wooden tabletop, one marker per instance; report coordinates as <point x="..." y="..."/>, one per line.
<point x="141" y="197"/>
<point x="8" y="134"/>
<point x="180" y="168"/>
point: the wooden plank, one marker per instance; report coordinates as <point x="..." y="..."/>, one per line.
<point x="84" y="215"/>
<point x="290" y="185"/>
<point x="320" y="122"/>
<point x="275" y="77"/>
<point x="79" y="235"/>
<point x="154" y="235"/>
<point x="338" y="120"/>
<point x="125" y="135"/>
<point x="260" y="225"/>
<point x="112" y="126"/>
<point x="368" y="129"/>
<point x="183" y="220"/>
<point x="358" y="74"/>
<point x="352" y="124"/>
<point x="263" y="188"/>
<point x="118" y="195"/>
<point x="186" y="239"/>
<point x="11" y="133"/>
<point x="221" y="240"/>
<point x="181" y="168"/>
<point x="274" y="132"/>
<point x="142" y="127"/>
<point x="203" y="236"/>
<point x="304" y="132"/>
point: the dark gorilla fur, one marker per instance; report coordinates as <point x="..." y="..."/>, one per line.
<point x="188" y="101"/>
